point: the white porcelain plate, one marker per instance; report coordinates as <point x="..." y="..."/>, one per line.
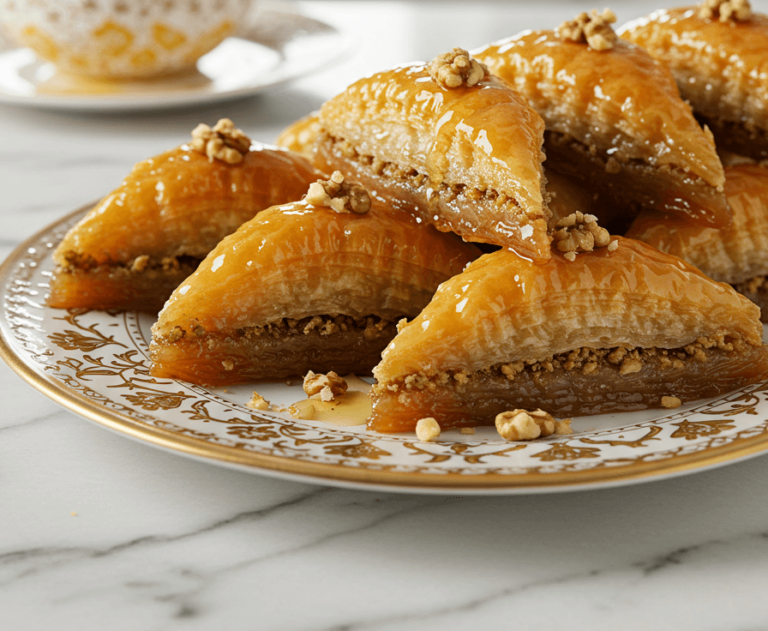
<point x="96" y="364"/>
<point x="282" y="45"/>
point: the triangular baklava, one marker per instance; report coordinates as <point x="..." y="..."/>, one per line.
<point x="139" y="242"/>
<point x="614" y="329"/>
<point x="615" y="121"/>
<point x="448" y="143"/>
<point x="738" y="254"/>
<point x="310" y="285"/>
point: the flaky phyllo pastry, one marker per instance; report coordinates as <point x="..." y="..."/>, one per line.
<point x="138" y="243"/>
<point x="616" y="329"/>
<point x="738" y="254"/>
<point x="316" y="285"/>
<point x="301" y="136"/>
<point x="448" y="143"/>
<point x="718" y="52"/>
<point x="615" y="120"/>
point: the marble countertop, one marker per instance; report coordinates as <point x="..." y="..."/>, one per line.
<point x="100" y="532"/>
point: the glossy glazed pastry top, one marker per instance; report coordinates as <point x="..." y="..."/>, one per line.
<point x="299" y="260"/>
<point x="180" y="203"/>
<point x="503" y="308"/>
<point x="300" y="136"/>
<point x="732" y="255"/>
<point x="619" y="101"/>
<point x="484" y="137"/>
<point x="721" y="67"/>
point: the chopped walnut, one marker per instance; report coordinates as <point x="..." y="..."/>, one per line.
<point x="340" y="195"/>
<point x="613" y="246"/>
<point x="427" y="429"/>
<point x="563" y="428"/>
<point x="579" y="233"/>
<point x="327" y="386"/>
<point x="140" y="263"/>
<point x="224" y="142"/>
<point x="228" y="364"/>
<point x="593" y="29"/>
<point x="629" y="366"/>
<point x="258" y="402"/>
<point x="725" y="10"/>
<point x="450" y="70"/>
<point x="671" y="402"/>
<point x="467" y="430"/>
<point x="525" y="425"/>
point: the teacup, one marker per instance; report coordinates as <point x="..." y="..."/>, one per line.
<point x="123" y="39"/>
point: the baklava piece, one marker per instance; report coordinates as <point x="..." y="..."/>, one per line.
<point x="718" y="52"/>
<point x="737" y="255"/>
<point x="316" y="285"/>
<point x="448" y="143"/>
<point x="615" y="121"/>
<point x="610" y="330"/>
<point x="138" y="243"/>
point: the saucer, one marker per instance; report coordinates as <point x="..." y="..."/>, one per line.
<point x="281" y="46"/>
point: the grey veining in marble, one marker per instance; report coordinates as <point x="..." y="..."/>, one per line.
<point x="100" y="532"/>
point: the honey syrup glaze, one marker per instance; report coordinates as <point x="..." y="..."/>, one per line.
<point x="477" y="152"/>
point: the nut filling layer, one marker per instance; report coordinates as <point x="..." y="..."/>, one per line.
<point x="372" y="328"/>
<point x="76" y="263"/>
<point x="399" y="173"/>
<point x="585" y="360"/>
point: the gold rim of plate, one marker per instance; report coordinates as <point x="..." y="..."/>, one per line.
<point x="739" y="447"/>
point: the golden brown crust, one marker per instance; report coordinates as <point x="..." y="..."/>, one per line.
<point x="720" y="68"/>
<point x="624" y="112"/>
<point x="300" y="137"/>
<point x="504" y="309"/>
<point x="173" y="207"/>
<point x="481" y="138"/>
<point x="732" y="255"/>
<point x="298" y="260"/>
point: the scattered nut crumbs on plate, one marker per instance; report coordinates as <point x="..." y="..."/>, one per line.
<point x="258" y="402"/>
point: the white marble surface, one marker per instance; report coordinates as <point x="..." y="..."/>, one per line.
<point x="99" y="532"/>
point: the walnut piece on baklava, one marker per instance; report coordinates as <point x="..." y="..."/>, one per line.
<point x="448" y="143"/>
<point x="608" y="330"/>
<point x="319" y="284"/>
<point x="139" y="242"/>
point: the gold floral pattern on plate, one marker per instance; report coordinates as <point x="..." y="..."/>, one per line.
<point x="96" y="364"/>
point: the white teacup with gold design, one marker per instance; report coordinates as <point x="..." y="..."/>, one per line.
<point x="121" y="38"/>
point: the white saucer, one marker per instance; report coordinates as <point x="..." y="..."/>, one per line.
<point x="281" y="46"/>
